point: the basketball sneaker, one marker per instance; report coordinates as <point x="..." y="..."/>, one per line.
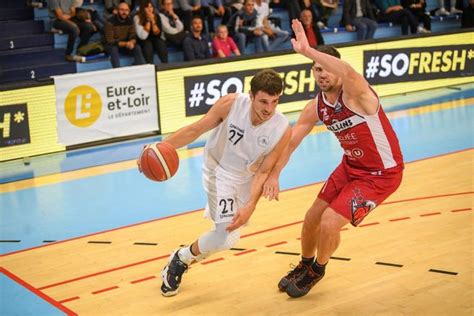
<point x="171" y="274"/>
<point x="302" y="286"/>
<point x="297" y="273"/>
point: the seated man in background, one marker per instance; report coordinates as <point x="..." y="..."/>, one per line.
<point x="395" y="13"/>
<point x="223" y="45"/>
<point x="196" y="44"/>
<point x="110" y="7"/>
<point x="246" y="27"/>
<point x="209" y="9"/>
<point x="359" y="14"/>
<point x="417" y="8"/>
<point x="120" y="37"/>
<point x="186" y="9"/>
<point x="311" y="29"/>
<point x="173" y="28"/>
<point x="273" y="36"/>
<point x="63" y="15"/>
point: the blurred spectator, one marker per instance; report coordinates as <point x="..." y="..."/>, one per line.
<point x="273" y="36"/>
<point x="149" y="29"/>
<point x="110" y="7"/>
<point x="186" y="9"/>
<point x="246" y="27"/>
<point x="311" y="29"/>
<point x="90" y="15"/>
<point x="417" y="8"/>
<point x="63" y="14"/>
<point x="325" y="8"/>
<point x="209" y="9"/>
<point x="173" y="28"/>
<point x="120" y="37"/>
<point x="393" y="12"/>
<point x="442" y="8"/>
<point x="359" y="14"/>
<point x="223" y="45"/>
<point x="196" y="44"/>
<point x="467" y="14"/>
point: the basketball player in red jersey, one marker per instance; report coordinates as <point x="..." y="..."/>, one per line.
<point x="370" y="171"/>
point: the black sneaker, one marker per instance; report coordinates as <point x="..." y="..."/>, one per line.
<point x="302" y="286"/>
<point x="171" y="275"/>
<point x="297" y="273"/>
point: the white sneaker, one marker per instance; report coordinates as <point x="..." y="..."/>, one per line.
<point x="321" y="25"/>
<point x="79" y="59"/>
<point x="53" y="30"/>
<point x="422" y="30"/>
<point x="441" y="11"/>
<point x="454" y="11"/>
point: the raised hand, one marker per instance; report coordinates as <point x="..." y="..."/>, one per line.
<point x="300" y="43"/>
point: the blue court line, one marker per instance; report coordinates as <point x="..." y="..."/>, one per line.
<point x="88" y="205"/>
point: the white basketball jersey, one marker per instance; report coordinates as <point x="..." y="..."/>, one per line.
<point x="236" y="148"/>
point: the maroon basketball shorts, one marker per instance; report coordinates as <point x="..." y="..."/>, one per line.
<point x="354" y="193"/>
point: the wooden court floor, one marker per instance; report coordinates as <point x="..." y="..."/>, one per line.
<point x="412" y="256"/>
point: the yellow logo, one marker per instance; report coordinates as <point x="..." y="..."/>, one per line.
<point x="83" y="106"/>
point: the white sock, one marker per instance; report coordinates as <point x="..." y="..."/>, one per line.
<point x="186" y="255"/>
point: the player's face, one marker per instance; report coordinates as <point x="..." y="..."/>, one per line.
<point x="325" y="80"/>
<point x="263" y="106"/>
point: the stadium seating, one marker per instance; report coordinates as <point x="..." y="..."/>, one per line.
<point x="26" y="50"/>
<point x="30" y="51"/>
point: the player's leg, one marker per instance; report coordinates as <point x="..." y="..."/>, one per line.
<point x="328" y="241"/>
<point x="364" y="193"/>
<point x="309" y="243"/>
<point x="311" y="228"/>
<point x="311" y="225"/>
<point x="223" y="201"/>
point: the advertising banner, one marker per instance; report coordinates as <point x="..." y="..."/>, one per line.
<point x="418" y="64"/>
<point x="28" y="122"/>
<point x="106" y="104"/>
<point x="14" y="127"/>
<point x="390" y="66"/>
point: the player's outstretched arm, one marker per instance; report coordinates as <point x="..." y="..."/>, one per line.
<point x="308" y="118"/>
<point x="216" y="114"/>
<point x="354" y="84"/>
<point x="243" y="214"/>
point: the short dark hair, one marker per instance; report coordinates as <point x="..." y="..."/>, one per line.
<point x="267" y="80"/>
<point x="330" y="50"/>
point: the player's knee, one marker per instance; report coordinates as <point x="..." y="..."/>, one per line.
<point x="331" y="222"/>
<point x="216" y="241"/>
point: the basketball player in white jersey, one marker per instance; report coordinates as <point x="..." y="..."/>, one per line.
<point x="248" y="137"/>
<point x="371" y="168"/>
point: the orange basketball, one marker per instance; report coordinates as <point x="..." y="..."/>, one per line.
<point x="158" y="161"/>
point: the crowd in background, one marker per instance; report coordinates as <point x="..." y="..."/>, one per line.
<point x="143" y="28"/>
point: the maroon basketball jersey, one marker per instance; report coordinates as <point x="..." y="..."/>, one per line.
<point x="369" y="141"/>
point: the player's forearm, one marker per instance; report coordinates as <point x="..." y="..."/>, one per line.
<point x="256" y="188"/>
<point x="183" y="137"/>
